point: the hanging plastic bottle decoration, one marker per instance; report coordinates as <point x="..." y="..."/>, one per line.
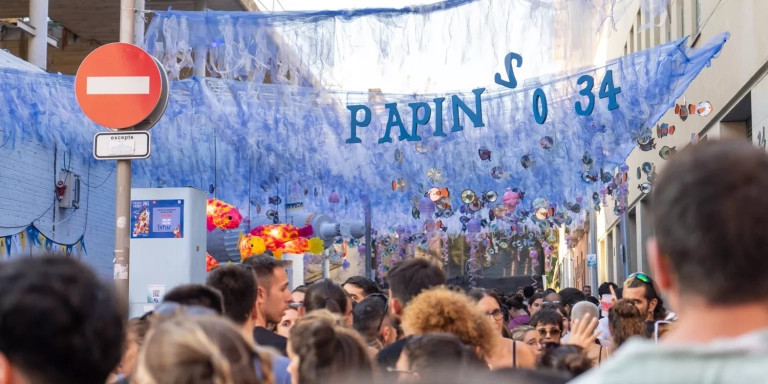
<point x="547" y="256"/>
<point x="534" y="256"/>
<point x="427" y="208"/>
<point x="402" y="234"/>
<point x="473" y="229"/>
<point x="334" y="199"/>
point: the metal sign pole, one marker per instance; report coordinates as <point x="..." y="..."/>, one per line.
<point x="122" y="255"/>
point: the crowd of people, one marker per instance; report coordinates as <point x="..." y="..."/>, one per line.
<point x="60" y="324"/>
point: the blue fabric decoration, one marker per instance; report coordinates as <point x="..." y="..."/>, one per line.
<point x="249" y="139"/>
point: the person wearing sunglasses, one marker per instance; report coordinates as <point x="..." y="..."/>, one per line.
<point x="549" y="324"/>
<point x="709" y="260"/>
<point x="639" y="290"/>
<point x="371" y="320"/>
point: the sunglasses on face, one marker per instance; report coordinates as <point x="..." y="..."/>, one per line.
<point x="555" y="332"/>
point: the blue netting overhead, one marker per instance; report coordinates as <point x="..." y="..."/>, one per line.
<point x="414" y="49"/>
<point x="294" y="138"/>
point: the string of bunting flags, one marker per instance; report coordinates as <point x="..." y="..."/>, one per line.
<point x="31" y="238"/>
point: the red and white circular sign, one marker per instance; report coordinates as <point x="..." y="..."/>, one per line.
<point x="118" y="85"/>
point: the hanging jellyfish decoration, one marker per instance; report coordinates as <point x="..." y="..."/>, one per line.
<point x="473" y="236"/>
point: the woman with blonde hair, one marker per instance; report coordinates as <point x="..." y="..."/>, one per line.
<point x="203" y="349"/>
<point x="441" y="310"/>
<point x="322" y="349"/>
<point x="530" y="336"/>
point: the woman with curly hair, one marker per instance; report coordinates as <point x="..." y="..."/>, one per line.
<point x="322" y="350"/>
<point x="441" y="310"/>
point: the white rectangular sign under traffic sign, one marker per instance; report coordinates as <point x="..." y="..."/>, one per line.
<point x="122" y="145"/>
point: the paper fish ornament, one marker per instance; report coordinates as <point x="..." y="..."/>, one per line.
<point x="298" y="246"/>
<point x="251" y="245"/>
<point x="222" y="215"/>
<point x="210" y="262"/>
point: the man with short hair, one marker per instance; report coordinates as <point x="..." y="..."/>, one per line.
<point x="569" y="297"/>
<point x="708" y="257"/>
<point x="359" y="287"/>
<point x="406" y="280"/>
<point x="58" y="323"/>
<point x="273" y="298"/>
<point x="238" y="289"/>
<point x="587" y="290"/>
<point x="551" y="296"/>
<point x="371" y="320"/>
<point x="640" y="291"/>
<point x="196" y="294"/>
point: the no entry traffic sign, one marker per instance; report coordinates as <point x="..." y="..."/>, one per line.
<point x="120" y="86"/>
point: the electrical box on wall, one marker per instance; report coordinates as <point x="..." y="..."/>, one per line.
<point x="68" y="190"/>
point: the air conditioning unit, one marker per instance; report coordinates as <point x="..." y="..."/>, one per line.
<point x="68" y="187"/>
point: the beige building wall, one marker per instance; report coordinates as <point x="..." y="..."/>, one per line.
<point x="735" y="84"/>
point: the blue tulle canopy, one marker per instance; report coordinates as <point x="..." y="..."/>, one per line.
<point x="278" y="118"/>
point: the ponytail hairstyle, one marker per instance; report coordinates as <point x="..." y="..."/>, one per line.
<point x="625" y="321"/>
<point x="202" y="350"/>
<point x="328" y="351"/>
<point x="325" y="294"/>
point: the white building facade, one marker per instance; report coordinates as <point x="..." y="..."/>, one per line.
<point x="735" y="85"/>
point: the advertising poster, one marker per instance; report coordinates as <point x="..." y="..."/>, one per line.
<point x="157" y="219"/>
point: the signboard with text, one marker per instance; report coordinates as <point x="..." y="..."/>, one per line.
<point x="157" y="219"/>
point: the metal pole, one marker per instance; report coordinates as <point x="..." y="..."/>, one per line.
<point x="199" y="53"/>
<point x="139" y="26"/>
<point x="122" y="254"/>
<point x="593" y="247"/>
<point x="38" y="44"/>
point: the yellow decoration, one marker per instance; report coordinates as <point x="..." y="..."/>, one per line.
<point x="316" y="246"/>
<point x="278" y="254"/>
<point x="251" y="245"/>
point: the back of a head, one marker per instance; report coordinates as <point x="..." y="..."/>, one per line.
<point x="626" y="321"/>
<point x="565" y="358"/>
<point x="528" y="291"/>
<point x="440" y="355"/>
<point x="263" y="267"/>
<point x="408" y="278"/>
<point x="199" y="349"/>
<point x="368" y="286"/>
<point x="58" y="322"/>
<point x="238" y="289"/>
<point x="518" y="333"/>
<point x="584" y="308"/>
<point x="571" y="296"/>
<point x="328" y="352"/>
<point x="196" y="294"/>
<point x="368" y="314"/>
<point x="442" y="310"/>
<point x="325" y="294"/>
<point x="709" y="206"/>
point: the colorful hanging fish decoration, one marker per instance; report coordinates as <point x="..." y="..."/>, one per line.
<point x="664" y="129"/>
<point x="704" y="109"/>
<point x="499" y="173"/>
<point x="210" y="262"/>
<point x="667" y="152"/>
<point x="399" y="185"/>
<point x="484" y="153"/>
<point x="275" y="200"/>
<point x="437" y="194"/>
<point x="222" y="215"/>
<point x="546" y="142"/>
<point x="645" y="140"/>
